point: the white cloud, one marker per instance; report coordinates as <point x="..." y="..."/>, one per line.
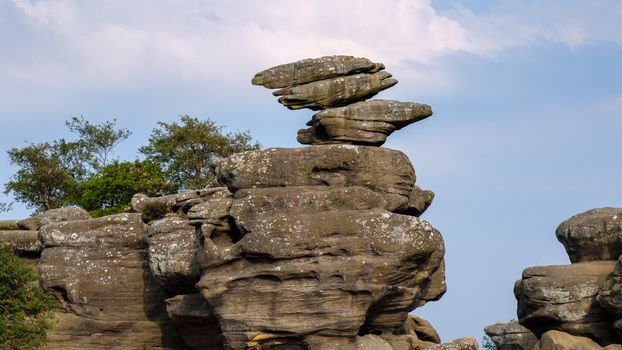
<point x="111" y="44"/>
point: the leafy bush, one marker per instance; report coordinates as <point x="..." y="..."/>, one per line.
<point x="23" y="304"/>
<point x="110" y="190"/>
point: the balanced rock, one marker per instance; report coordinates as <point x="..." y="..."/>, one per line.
<point x="387" y="172"/>
<point x="564" y="298"/>
<point x="363" y="123"/>
<point x="313" y="69"/>
<point x="511" y="336"/>
<point x="593" y="235"/>
<point x="335" y="92"/>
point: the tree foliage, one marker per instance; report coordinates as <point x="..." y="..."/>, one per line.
<point x="23" y="304"/>
<point x="45" y="179"/>
<point x="82" y="171"/>
<point x="184" y="149"/>
<point x="111" y="189"/>
<point x="50" y="174"/>
<point x="97" y="140"/>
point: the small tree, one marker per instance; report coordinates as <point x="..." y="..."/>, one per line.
<point x="44" y="180"/>
<point x="51" y="174"/>
<point x="184" y="150"/>
<point x="111" y="189"/>
<point x="97" y="140"/>
<point x="23" y="304"/>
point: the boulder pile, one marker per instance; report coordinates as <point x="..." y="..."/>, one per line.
<point x="576" y="306"/>
<point x="313" y="248"/>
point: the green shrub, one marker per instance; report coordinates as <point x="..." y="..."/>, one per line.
<point x="145" y="347"/>
<point x="23" y="304"/>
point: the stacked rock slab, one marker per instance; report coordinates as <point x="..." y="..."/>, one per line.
<point x="319" y="247"/>
<point x="578" y="305"/>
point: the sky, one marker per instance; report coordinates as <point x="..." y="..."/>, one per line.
<point x="526" y="96"/>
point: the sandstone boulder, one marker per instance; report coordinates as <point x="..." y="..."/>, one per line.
<point x="178" y="203"/>
<point x="21" y="241"/>
<point x="387" y="172"/>
<point x="53" y="215"/>
<point x="313" y="69"/>
<point x="556" y="340"/>
<point x="335" y="92"/>
<point x="172" y="241"/>
<point x="511" y="336"/>
<point x="564" y="298"/>
<point x="119" y="230"/>
<point x="466" y="343"/>
<point x="593" y="235"/>
<point x="97" y="269"/>
<point x="330" y="273"/>
<point x="363" y="123"/>
<point x="7" y="225"/>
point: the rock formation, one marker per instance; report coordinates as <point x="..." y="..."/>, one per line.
<point x="577" y="306"/>
<point x="511" y="336"/>
<point x="315" y="248"/>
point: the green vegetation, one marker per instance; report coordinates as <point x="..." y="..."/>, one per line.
<point x="184" y="150"/>
<point x="145" y="347"/>
<point x="82" y="172"/>
<point x="23" y="304"/>
<point x="111" y="189"/>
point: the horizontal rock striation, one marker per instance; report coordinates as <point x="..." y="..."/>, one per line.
<point x="363" y="123"/>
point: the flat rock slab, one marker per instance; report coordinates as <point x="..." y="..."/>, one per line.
<point x="363" y="123"/>
<point x="592" y="235"/>
<point x="53" y="215"/>
<point x="21" y="241"/>
<point x="511" y="336"/>
<point x="564" y="298"/>
<point x="120" y="230"/>
<point x="313" y="69"/>
<point x="335" y="92"/>
<point x="387" y="172"/>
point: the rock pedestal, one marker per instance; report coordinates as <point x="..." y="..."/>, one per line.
<point x="312" y="248"/>
<point x="577" y="306"/>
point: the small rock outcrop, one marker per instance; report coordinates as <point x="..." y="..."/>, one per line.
<point x="511" y="336"/>
<point x="577" y="306"/>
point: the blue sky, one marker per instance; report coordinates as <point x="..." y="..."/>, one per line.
<point x="526" y="96"/>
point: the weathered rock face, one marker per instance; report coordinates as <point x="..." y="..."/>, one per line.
<point x="385" y="171"/>
<point x="110" y="299"/>
<point x="172" y="242"/>
<point x="593" y="235"/>
<point x="364" y="123"/>
<point x="21" y="241"/>
<point x="564" y="298"/>
<point x="197" y="325"/>
<point x="511" y="336"/>
<point x="335" y="92"/>
<point x="556" y="340"/>
<point x="313" y="69"/>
